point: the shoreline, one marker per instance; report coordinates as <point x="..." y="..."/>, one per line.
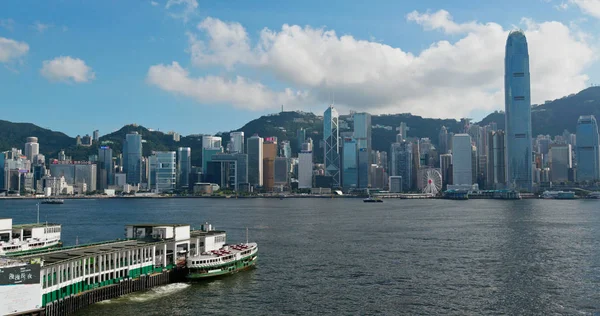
<point x="400" y="197"/>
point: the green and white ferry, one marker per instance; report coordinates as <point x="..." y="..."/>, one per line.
<point x="25" y="237"/>
<point x="216" y="258"/>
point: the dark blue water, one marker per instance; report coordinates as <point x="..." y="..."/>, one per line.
<point x="343" y="256"/>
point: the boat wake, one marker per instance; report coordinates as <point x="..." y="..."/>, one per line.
<point x="151" y="294"/>
<point x="158" y="292"/>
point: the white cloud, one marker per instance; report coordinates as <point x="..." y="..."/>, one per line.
<point x="447" y="79"/>
<point x="590" y="7"/>
<point x="153" y="3"/>
<point x="11" y="49"/>
<point x="8" y="24"/>
<point x="228" y="44"/>
<point x="240" y="92"/>
<point x="67" y="69"/>
<point x="182" y="9"/>
<point x="41" y="27"/>
<point x="442" y="20"/>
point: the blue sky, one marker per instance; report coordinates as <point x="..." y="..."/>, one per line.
<point x="196" y="67"/>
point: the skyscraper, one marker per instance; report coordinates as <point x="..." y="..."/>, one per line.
<point x="106" y="170"/>
<point x="32" y="148"/>
<point x="286" y="149"/>
<point x="269" y="155"/>
<point x="162" y="171"/>
<point x="132" y="155"/>
<point x="517" y="97"/>
<point x="350" y="164"/>
<point x="561" y="160"/>
<point x="234" y="171"/>
<point x="332" y="149"/>
<point x="443" y="140"/>
<point x="209" y="141"/>
<point x="401" y="157"/>
<point x="403" y="130"/>
<point x="446" y="169"/>
<point x="255" y="160"/>
<point x="300" y="137"/>
<point x="236" y="140"/>
<point x="184" y="166"/>
<point x="496" y="170"/>
<point x="588" y="154"/>
<point x="362" y="135"/>
<point x="462" y="173"/>
<point x="282" y="171"/>
<point x="96" y="135"/>
<point x="305" y="169"/>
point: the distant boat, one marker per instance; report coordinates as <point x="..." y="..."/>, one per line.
<point x="594" y="195"/>
<point x="53" y="201"/>
<point x="558" y="195"/>
<point x="373" y="200"/>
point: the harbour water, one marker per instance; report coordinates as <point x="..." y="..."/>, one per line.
<point x="343" y="256"/>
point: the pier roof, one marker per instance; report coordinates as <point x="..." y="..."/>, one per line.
<point x="56" y="256"/>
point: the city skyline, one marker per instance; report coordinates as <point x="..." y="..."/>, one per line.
<point x="179" y="41"/>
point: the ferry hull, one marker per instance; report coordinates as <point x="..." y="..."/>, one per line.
<point x="227" y="269"/>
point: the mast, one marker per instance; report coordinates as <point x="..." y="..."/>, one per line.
<point x="38" y="212"/>
<point x="246" y="235"/>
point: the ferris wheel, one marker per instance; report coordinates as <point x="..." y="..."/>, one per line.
<point x="432" y="180"/>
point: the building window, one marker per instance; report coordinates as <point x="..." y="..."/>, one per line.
<point x="519" y="98"/>
<point x="518" y="74"/>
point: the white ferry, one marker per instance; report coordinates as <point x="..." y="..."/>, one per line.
<point x="24" y="237"/>
<point x="594" y="195"/>
<point x="559" y="195"/>
<point x="216" y="258"/>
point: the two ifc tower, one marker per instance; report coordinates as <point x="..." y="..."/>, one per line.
<point x="517" y="98"/>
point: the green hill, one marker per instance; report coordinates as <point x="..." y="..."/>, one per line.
<point x="553" y="117"/>
<point x="14" y="135"/>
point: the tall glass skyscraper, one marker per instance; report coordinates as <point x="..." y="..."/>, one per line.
<point x="132" y="156"/>
<point x="162" y="171"/>
<point x="331" y="136"/>
<point x="255" y="160"/>
<point x="350" y="164"/>
<point x="184" y="166"/>
<point x="517" y="97"/>
<point x="362" y="135"/>
<point x="106" y="170"/>
<point x="401" y="157"/>
<point x="588" y="154"/>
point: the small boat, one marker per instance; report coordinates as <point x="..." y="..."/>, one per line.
<point x="373" y="200"/>
<point x="53" y="201"/>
